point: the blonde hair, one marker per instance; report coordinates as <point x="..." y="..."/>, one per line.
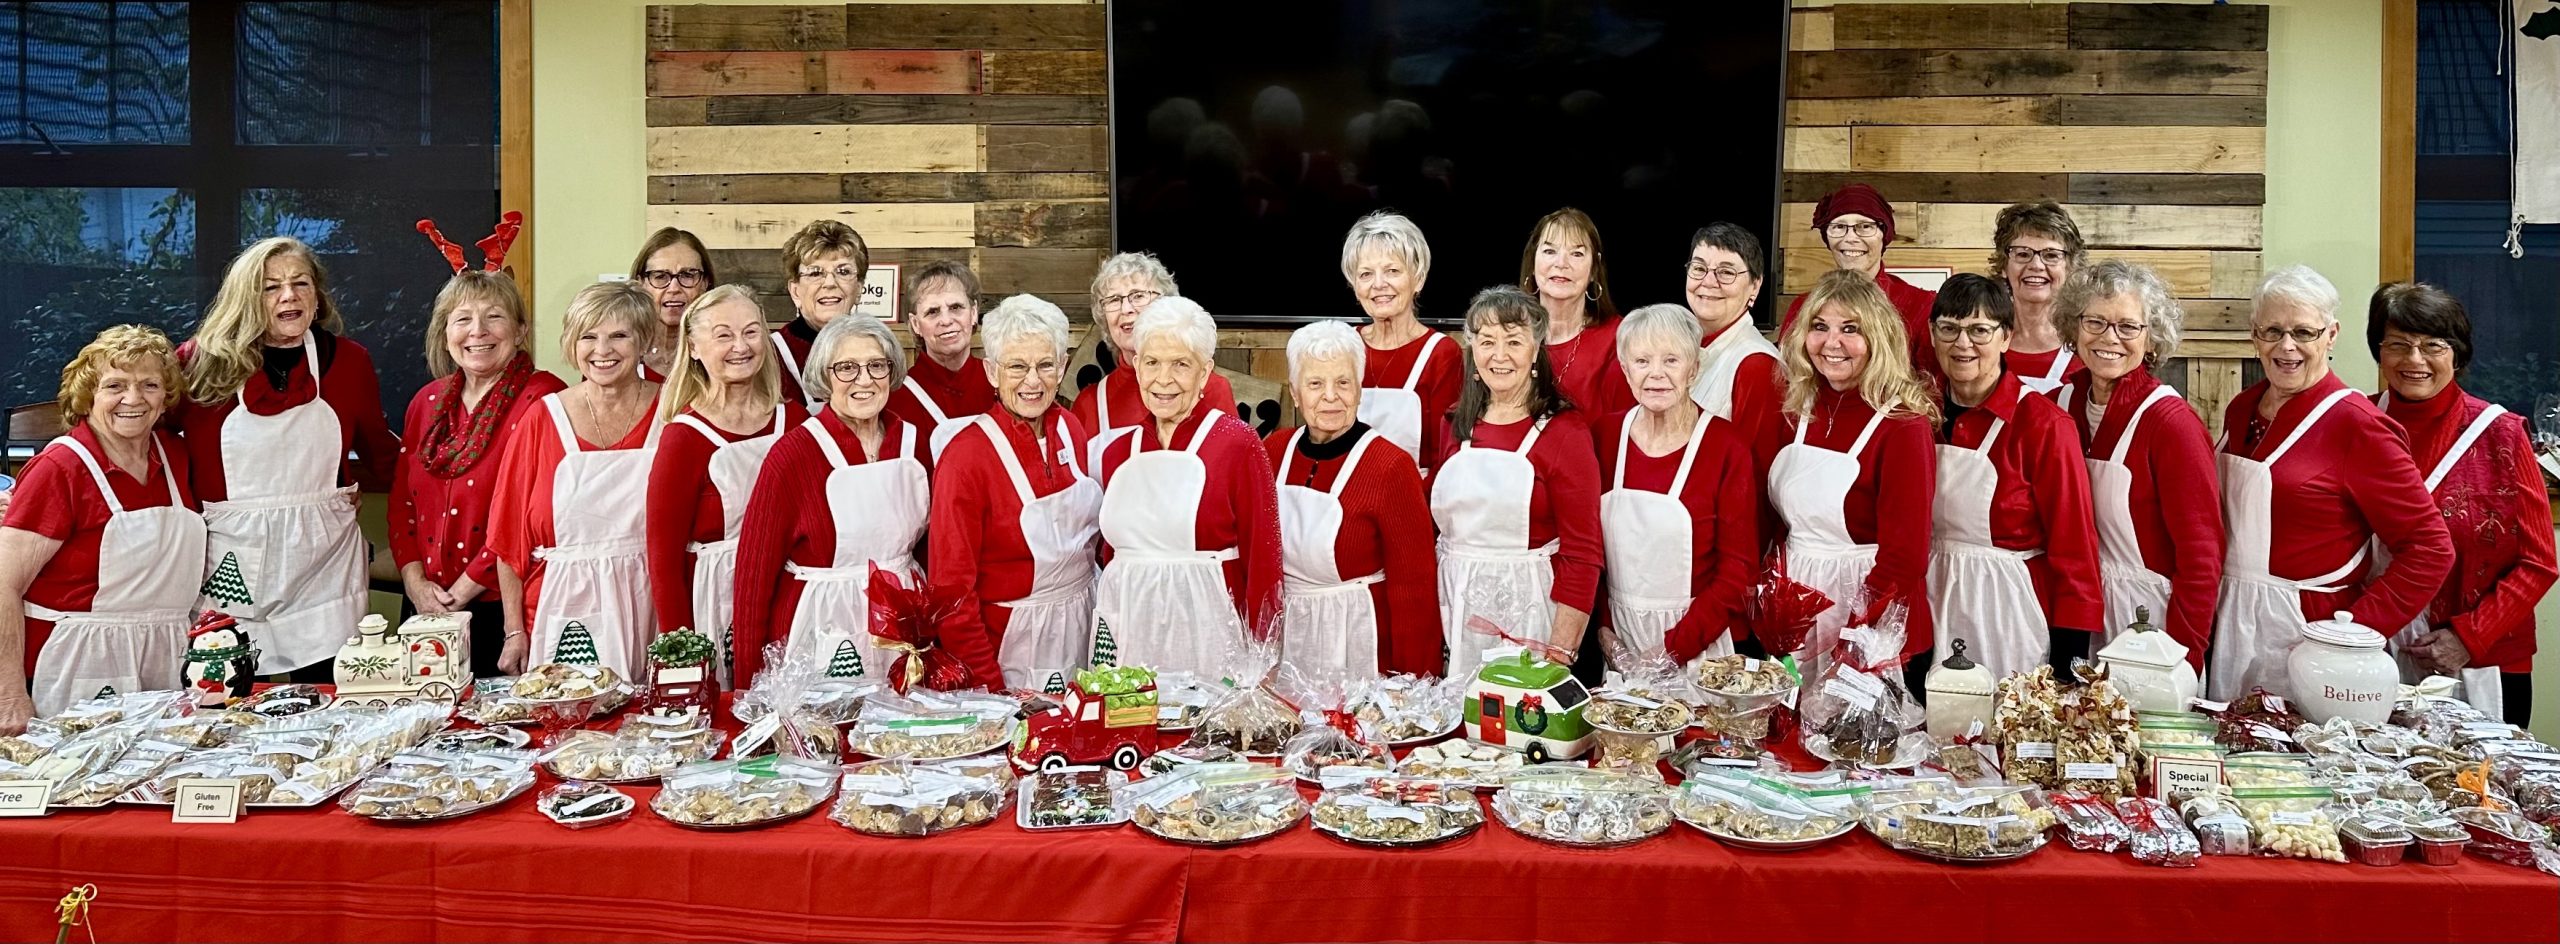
<point x="228" y="341"/>
<point x="121" y="346"/>
<point x="607" y="302"/>
<point x="687" y="378"/>
<point x="472" y="285"/>
<point x="1889" y="383"/>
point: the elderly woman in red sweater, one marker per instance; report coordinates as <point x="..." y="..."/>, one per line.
<point x="1015" y="511"/>
<point x="1856" y="225"/>
<point x="1190" y="518"/>
<point x="1563" y="268"/>
<point x="2038" y="247"/>
<point x="2152" y="491"/>
<point x="480" y="348"/>
<point x="724" y="409"/>
<point x="2312" y="476"/>
<point x="946" y="386"/>
<point x="1409" y="374"/>
<point x="2480" y="465"/>
<point x="1680" y="518"/>
<point x="824" y="265"/>
<point x="1516" y="494"/>
<point x="1359" y="597"/>
<point x="846" y="490"/>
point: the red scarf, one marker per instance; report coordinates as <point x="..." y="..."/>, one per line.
<point x="454" y="443"/>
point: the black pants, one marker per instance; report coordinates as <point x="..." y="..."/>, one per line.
<point x="2516" y="688"/>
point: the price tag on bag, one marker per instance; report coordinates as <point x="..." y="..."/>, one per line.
<point x="24" y="797"/>
<point x="206" y="801"/>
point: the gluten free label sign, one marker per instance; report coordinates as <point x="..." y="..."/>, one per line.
<point x="206" y="801"/>
<point x="24" y="797"/>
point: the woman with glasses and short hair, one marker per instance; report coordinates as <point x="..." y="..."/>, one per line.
<point x="675" y="269"/>
<point x="946" y="385"/>
<point x="1409" y="374"/>
<point x="804" y="566"/>
<point x="825" y="263"/>
<point x="2312" y="476"/>
<point x="2038" y="248"/>
<point x="2477" y="460"/>
<point x="1740" y="380"/>
<point x="1122" y="289"/>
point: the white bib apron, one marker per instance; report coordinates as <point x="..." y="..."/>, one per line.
<point x="1721" y="359"/>
<point x="1330" y="623"/>
<point x="2260" y="618"/>
<point x="1809" y="486"/>
<point x="596" y="574"/>
<point x="2051" y="379"/>
<point x="1979" y="591"/>
<point x="283" y="554"/>
<point x="2481" y="685"/>
<point x="1047" y="630"/>
<point x="1165" y="600"/>
<point x="2128" y="584"/>
<point x="1480" y="499"/>
<point x="1396" y="412"/>
<point x="734" y="466"/>
<point x="133" y="637"/>
<point x="879" y="510"/>
<point x="945" y="425"/>
<point x="1651" y="546"/>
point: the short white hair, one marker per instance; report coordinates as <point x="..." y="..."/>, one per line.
<point x="2301" y="285"/>
<point x="846" y="327"/>
<point x="1390" y="232"/>
<point x="1181" y="319"/>
<point x="1667" y="324"/>
<point x="1124" y="265"/>
<point x="1021" y="318"/>
<point x="1325" y="340"/>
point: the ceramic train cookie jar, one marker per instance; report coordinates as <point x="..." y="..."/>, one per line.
<point x="428" y="659"/>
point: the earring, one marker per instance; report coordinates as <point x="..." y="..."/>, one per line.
<point x="1592" y="294"/>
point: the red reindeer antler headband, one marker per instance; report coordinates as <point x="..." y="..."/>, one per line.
<point x="494" y="247"/>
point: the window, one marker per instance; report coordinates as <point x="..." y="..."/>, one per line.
<point x="142" y="145"/>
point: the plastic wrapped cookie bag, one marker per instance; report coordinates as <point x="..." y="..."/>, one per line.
<point x="1407" y="708"/>
<point x="1854" y="706"/>
<point x="2159" y="837"/>
<point x="1329" y="734"/>
<point x="2089" y="822"/>
<point x="1634" y="715"/>
<point x="1249" y="717"/>
<point x="2220" y="827"/>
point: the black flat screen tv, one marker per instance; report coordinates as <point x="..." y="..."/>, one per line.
<point x="1246" y="138"/>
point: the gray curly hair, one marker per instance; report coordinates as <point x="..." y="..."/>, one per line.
<point x="2161" y="314"/>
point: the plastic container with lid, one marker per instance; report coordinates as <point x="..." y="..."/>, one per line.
<point x="2149" y="666"/>
<point x="2373" y="841"/>
<point x="2439" y="841"/>
<point x="2340" y="670"/>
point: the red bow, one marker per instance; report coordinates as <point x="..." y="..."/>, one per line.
<point x="1545" y="650"/>
<point x="910" y="622"/>
<point x="493" y="248"/>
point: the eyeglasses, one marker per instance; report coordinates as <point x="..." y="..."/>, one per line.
<point x="1724" y="275"/>
<point x="1868" y="230"/>
<point x="2431" y="347"/>
<point x="661" y="278"/>
<point x="2021" y="255"/>
<point x="1015" y="371"/>
<point x="848" y="371"/>
<point x="1139" y="297"/>
<point x="1948" y="331"/>
<point x="843" y="273"/>
<point x="2275" y="335"/>
<point x="2100" y="327"/>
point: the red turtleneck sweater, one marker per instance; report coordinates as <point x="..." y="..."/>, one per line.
<point x="2492" y="503"/>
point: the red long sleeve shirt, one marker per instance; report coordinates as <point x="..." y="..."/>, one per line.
<point x="2041" y="499"/>
<point x="442" y="524"/>
<point x="2493" y="505"/>
<point x="57" y="497"/>
<point x="1889" y="506"/>
<point x="2175" y="500"/>
<point x="1564" y="507"/>
<point x="978" y="551"/>
<point x="1914" y="303"/>
<point x="520" y="517"/>
<point x="1438" y="387"/>
<point x="347" y="383"/>
<point x="957" y="393"/>
<point x="1381" y="507"/>
<point x="791" y="519"/>
<point x="1588" y="372"/>
<point x="1723" y="499"/>
<point x="2349" y="480"/>
<point x="685" y="508"/>
<point x="1239" y="505"/>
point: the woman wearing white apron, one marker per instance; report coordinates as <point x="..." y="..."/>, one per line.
<point x="2038" y="248"/>
<point x="569" y="526"/>
<point x="276" y="401"/>
<point x="2480" y="466"/>
<point x="2152" y="488"/>
<point x="1683" y="547"/>
<point x="1190" y="526"/>
<point x="1409" y="374"/>
<point x="1854" y="486"/>
<point x="112" y="569"/>
<point x="724" y="379"/>
<point x="1360" y="598"/>
<point x="1516" y="496"/>
<point x="2013" y="568"/>
<point x="1016" y="515"/>
<point x="1123" y="287"/>
<point x="825" y="263"/>
<point x="2311" y="475"/>
<point x="804" y="567"/>
<point x="1739" y="379"/>
<point x="945" y="386"/>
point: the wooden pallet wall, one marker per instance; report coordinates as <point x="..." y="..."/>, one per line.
<point x="2148" y="121"/>
<point x="938" y="130"/>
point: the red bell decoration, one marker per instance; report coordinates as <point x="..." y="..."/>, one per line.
<point x="910" y="622"/>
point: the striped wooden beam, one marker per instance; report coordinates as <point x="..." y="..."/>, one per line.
<point x="2192" y="189"/>
<point x="1949" y="26"/>
<point x="1969" y="226"/>
<point x="978" y="26"/>
<point x="2221" y="27"/>
<point x="886" y="225"/>
<point x="1871" y="73"/>
<point x="679" y="111"/>
<point x="2156" y="150"/>
<point x="2145" y="110"/>
<point x="841" y="71"/>
<point x="782" y="149"/>
<point x="875" y="188"/>
<point x="707" y="27"/>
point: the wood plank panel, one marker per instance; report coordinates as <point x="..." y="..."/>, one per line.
<point x="1026" y="72"/>
<point x="1817" y="149"/>
<point x="2183" y="189"/>
<point x="874" y="188"/>
<point x="2211" y="189"/>
<point x="903" y="72"/>
<point x="843" y="71"/>
<point x="1808" y="30"/>
<point x="785" y="149"/>
<point x="2231" y="27"/>
<point x="2211" y="386"/>
<point x="1046" y="148"/>
<point x="2189" y="272"/>
<point x="746" y="188"/>
<point x="2102" y="150"/>
<point x="1079" y="224"/>
<point x="2236" y="275"/>
<point x="760" y="268"/>
<point x="886" y="225"/>
<point x="1869" y="73"/>
<point x="1047" y="273"/>
<point x="1948" y="26"/>
<point x="879" y="110"/>
<point x="709" y="27"/>
<point x="2223" y="315"/>
<point x="1969" y="226"/>
<point x="2187" y="110"/>
<point x="982" y="26"/>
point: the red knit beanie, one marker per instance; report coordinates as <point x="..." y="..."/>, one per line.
<point x="1859" y="199"/>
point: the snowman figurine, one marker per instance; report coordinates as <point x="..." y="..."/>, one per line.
<point x="220" y="664"/>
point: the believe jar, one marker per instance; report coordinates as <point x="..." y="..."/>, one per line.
<point x="2339" y="670"/>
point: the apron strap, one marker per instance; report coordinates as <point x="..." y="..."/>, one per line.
<point x="1102" y="404"/>
<point x="707" y="430"/>
<point x="1058" y="428"/>
<point x="1280" y="470"/>
<point x="826" y="443"/>
<point x="1350" y="463"/>
<point x="2470" y="435"/>
<point x="907" y="440"/>
<point x="1688" y="455"/>
<point x="1531" y="441"/>
<point x="790" y="363"/>
<point x="1430" y="340"/>
<point x="1004" y="452"/>
<point x="2124" y="442"/>
<point x="98" y="474"/>
<point x="1859" y="447"/>
<point x="2306" y="424"/>
<point x="2062" y="398"/>
<point x="2061" y="365"/>
<point x="2325" y="583"/>
<point x="1997" y="424"/>
<point x="930" y="407"/>
<point x="560" y="421"/>
<point x="1200" y="433"/>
